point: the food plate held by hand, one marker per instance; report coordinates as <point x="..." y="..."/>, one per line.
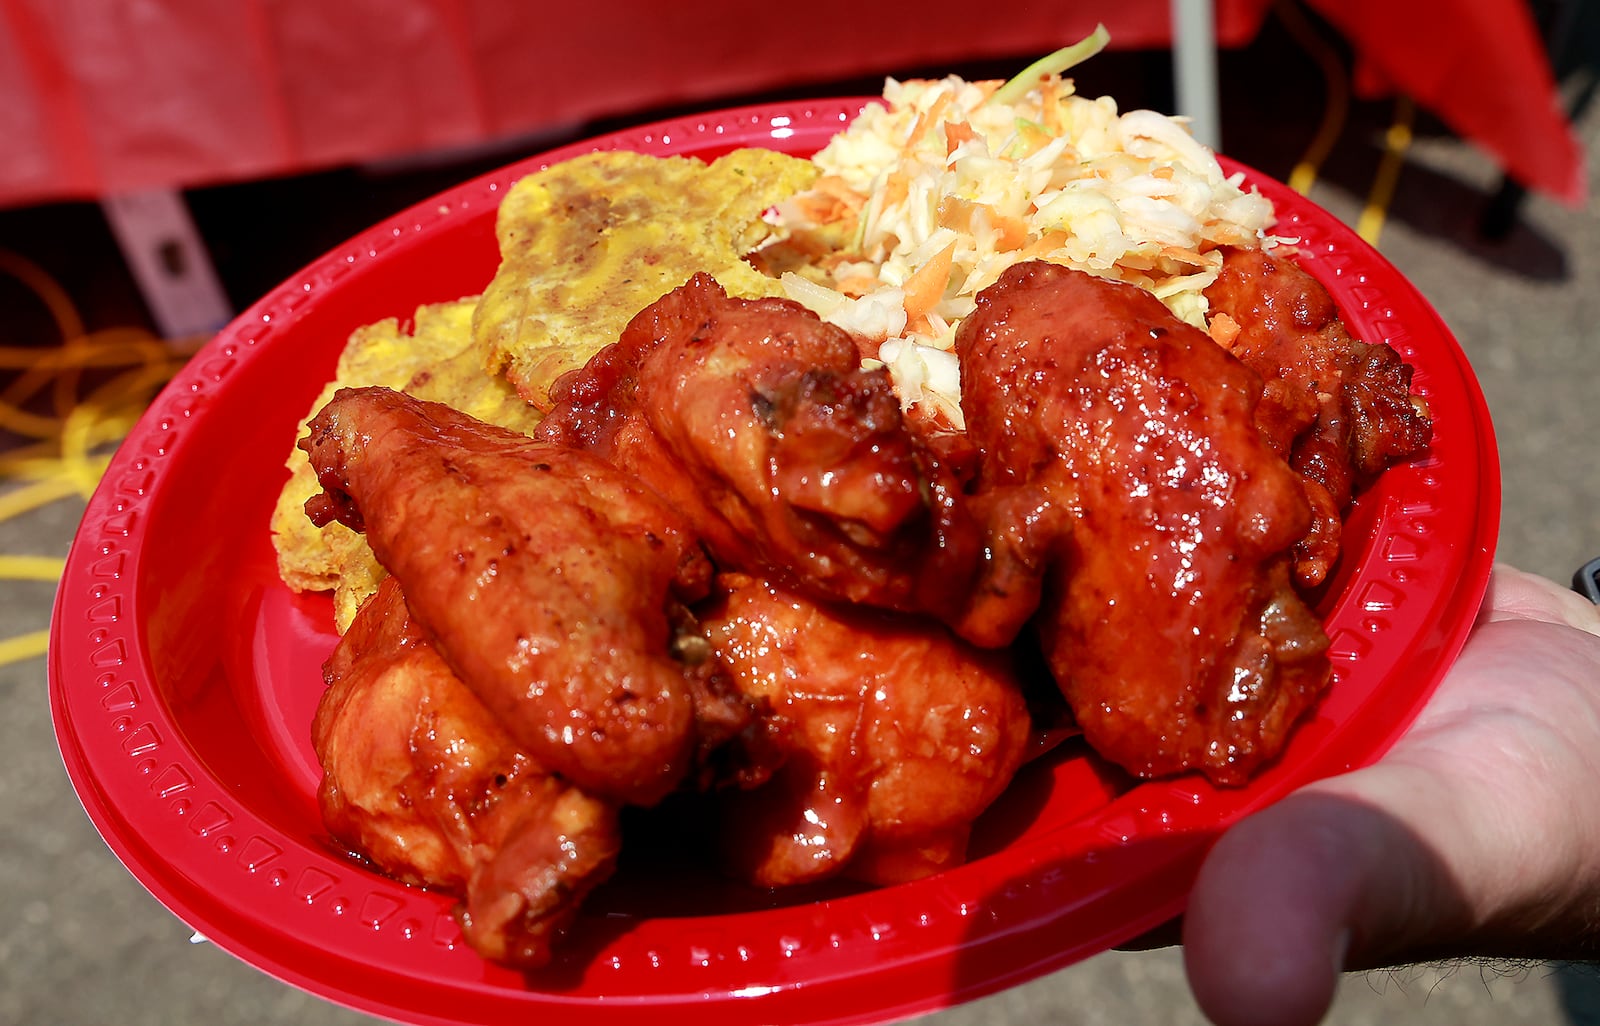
<point x="185" y="675"/>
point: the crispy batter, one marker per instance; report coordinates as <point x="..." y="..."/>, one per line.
<point x="547" y="579"/>
<point x="420" y="778"/>
<point x="1338" y="409"/>
<point x="756" y="421"/>
<point x="590" y="242"/>
<point x="1167" y="616"/>
<point x="896" y="735"/>
<point x="434" y="361"/>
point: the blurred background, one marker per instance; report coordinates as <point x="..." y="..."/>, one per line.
<point x="164" y="164"/>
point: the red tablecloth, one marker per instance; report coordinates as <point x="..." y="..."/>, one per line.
<point x="100" y="97"/>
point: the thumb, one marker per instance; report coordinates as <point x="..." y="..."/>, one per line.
<point x="1295" y="894"/>
<point x="1468" y="835"/>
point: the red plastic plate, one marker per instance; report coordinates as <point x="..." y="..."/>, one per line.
<point x="183" y="677"/>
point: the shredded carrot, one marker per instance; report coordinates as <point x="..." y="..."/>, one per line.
<point x="1051" y="107"/>
<point x="925" y="287"/>
<point x="1013" y="230"/>
<point x="839" y="189"/>
<point x="1187" y="256"/>
<point x="896" y="188"/>
<point x="821" y="208"/>
<point x="927" y="119"/>
<point x="1224" y="330"/>
<point x="1045" y="244"/>
<point x="1230" y="235"/>
<point x="857" y="285"/>
<point x="972" y="218"/>
<point x="1031" y="138"/>
<point x="831" y="199"/>
<point x="956" y="133"/>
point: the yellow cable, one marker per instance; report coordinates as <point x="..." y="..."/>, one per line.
<point x="29" y="462"/>
<point x="118" y="403"/>
<point x="52" y="295"/>
<point x="31" y="568"/>
<point x="24" y="646"/>
<point x="1397" y="140"/>
<point x="41" y="459"/>
<point x="29" y="425"/>
<point x="111" y="346"/>
<point x="1396" y="143"/>
<point x="1337" y="107"/>
<point x="42" y="493"/>
<point x="63" y="366"/>
<point x="63" y="452"/>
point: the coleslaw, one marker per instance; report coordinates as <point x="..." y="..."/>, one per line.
<point x="927" y="197"/>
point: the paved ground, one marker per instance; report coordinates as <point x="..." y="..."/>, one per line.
<point x="81" y="942"/>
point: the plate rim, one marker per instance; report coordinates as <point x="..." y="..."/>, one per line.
<point x="130" y="480"/>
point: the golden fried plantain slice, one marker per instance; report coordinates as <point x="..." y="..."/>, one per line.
<point x="435" y="360"/>
<point x="590" y="242"/>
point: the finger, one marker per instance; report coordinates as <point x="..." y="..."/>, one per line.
<point x="1466" y="837"/>
<point x="1285" y="898"/>
<point x="1517" y="595"/>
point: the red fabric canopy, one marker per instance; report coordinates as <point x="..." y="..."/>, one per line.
<point x="1480" y="66"/>
<point x="100" y="98"/>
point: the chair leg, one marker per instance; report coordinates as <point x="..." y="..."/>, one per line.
<point x="1499" y="215"/>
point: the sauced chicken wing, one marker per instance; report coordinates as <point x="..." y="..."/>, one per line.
<point x="547" y="579"/>
<point x="1338" y="409"/>
<point x="755" y="418"/>
<point x="1168" y="619"/>
<point x="895" y="736"/>
<point x="420" y="778"/>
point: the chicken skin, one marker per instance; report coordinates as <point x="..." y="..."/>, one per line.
<point x="421" y="779"/>
<point x="1163" y="519"/>
<point x="549" y="582"/>
<point x="895" y="736"/>
<point x="726" y="560"/>
<point x="1340" y="410"/>
<point x="757" y="421"/>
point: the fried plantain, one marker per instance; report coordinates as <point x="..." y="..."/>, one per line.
<point x="588" y="243"/>
<point x="435" y="360"/>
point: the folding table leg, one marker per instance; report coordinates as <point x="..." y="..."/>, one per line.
<point x="169" y="262"/>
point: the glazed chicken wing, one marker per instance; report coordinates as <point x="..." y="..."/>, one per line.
<point x="755" y="418"/>
<point x="1338" y="409"/>
<point x="547" y="579"/>
<point x="1168" y="616"/>
<point x="895" y="736"/>
<point x="422" y="780"/>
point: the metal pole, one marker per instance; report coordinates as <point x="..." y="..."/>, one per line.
<point x="1194" y="68"/>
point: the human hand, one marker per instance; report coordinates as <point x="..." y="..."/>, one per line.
<point x="1478" y="833"/>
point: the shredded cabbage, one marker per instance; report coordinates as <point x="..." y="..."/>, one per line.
<point x="1035" y="173"/>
